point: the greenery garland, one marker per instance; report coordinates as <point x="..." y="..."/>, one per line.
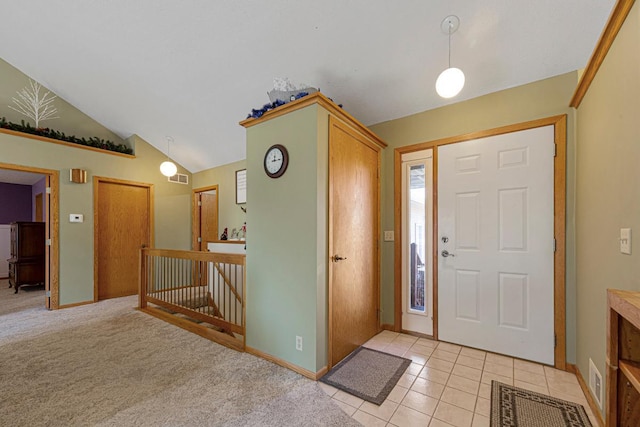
<point x="60" y="136"/>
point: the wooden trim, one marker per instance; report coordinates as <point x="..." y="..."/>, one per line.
<point x="560" y="136"/>
<point x="314" y="98"/>
<point x="52" y="228"/>
<point x="75" y="304"/>
<point x="616" y="19"/>
<point x="583" y="385"/>
<point x="295" y="368"/>
<point x="203" y="331"/>
<point x="96" y="256"/>
<point x="65" y="143"/>
<point x="559" y="227"/>
<point x="195" y="215"/>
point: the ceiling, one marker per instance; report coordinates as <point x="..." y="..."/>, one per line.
<point x="18" y="177"/>
<point x="193" y="69"/>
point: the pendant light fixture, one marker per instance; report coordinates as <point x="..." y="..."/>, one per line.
<point x="168" y="168"/>
<point x="451" y="81"/>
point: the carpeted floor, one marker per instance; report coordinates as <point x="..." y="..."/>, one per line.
<point x="27" y="297"/>
<point x="106" y="364"/>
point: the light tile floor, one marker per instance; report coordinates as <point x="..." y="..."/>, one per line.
<point x="449" y="385"/>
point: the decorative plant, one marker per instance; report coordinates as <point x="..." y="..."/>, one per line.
<point x="33" y="104"/>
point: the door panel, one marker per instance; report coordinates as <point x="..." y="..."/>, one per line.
<point x="495" y="206"/>
<point x="123" y="226"/>
<point x="353" y="234"/>
<point x="208" y="218"/>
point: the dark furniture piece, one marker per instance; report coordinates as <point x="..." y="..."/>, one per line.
<point x="27" y="262"/>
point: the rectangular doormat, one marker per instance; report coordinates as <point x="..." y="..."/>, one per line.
<point x="517" y="407"/>
<point x="368" y="374"/>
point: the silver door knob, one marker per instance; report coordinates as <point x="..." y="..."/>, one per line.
<point x="446" y="254"/>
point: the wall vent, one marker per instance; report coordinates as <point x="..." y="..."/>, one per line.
<point x="595" y="383"/>
<point x="179" y="178"/>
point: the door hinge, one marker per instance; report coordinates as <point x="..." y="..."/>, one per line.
<point x="199" y="239"/>
<point x="47" y="294"/>
<point x="48" y="242"/>
<point x="48" y="190"/>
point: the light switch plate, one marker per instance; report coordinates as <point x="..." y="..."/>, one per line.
<point x="76" y="218"/>
<point x="388" y="236"/>
<point x="625" y="241"/>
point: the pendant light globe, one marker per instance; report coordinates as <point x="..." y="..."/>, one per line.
<point x="450" y="82"/>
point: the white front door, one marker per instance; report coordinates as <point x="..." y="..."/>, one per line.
<point x="495" y="221"/>
<point x="417" y="253"/>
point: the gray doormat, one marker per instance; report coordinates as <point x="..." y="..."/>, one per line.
<point x="367" y="374"/>
<point x="517" y="407"/>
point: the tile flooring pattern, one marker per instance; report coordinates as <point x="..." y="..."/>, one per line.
<point x="449" y="385"/>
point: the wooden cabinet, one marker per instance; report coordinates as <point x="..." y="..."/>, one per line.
<point x="27" y="262"/>
<point x="623" y="359"/>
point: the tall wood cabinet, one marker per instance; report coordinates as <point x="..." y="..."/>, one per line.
<point x="27" y="262"/>
<point x="623" y="359"/>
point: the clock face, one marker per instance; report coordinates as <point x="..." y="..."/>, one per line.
<point x="276" y="161"/>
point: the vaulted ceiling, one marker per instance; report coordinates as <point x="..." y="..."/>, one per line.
<point x="193" y="69"/>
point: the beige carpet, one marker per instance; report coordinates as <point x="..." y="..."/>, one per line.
<point x="27" y="297"/>
<point x="106" y="364"/>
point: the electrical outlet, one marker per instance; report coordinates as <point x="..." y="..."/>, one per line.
<point x="595" y="383"/>
<point x="388" y="236"/>
<point x="299" y="343"/>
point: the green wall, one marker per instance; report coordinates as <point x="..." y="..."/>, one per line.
<point x="608" y="189"/>
<point x="287" y="240"/>
<point x="71" y="121"/>
<point x="172" y="201"/>
<point x="229" y="214"/>
<point x="536" y="100"/>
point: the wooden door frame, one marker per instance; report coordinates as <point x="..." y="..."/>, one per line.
<point x="375" y="145"/>
<point x="195" y="213"/>
<point x="559" y="211"/>
<point x="96" y="256"/>
<point x="52" y="261"/>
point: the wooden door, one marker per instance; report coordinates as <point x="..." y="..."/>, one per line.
<point x="39" y="208"/>
<point x="496" y="237"/>
<point x="123" y="225"/>
<point x="205" y="217"/>
<point x="353" y="240"/>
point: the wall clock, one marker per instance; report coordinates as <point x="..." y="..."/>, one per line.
<point x="276" y="160"/>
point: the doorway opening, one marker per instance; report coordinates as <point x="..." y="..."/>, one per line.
<point x="417" y="250"/>
<point x="204" y="217"/>
<point x="558" y="125"/>
<point x="44" y="185"/>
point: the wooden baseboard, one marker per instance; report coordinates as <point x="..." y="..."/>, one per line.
<point x="302" y="371"/>
<point x="388" y="327"/>
<point x="583" y="385"/>
<point x="75" y="304"/>
<point x="196" y="328"/>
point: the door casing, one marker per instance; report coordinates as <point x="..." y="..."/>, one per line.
<point x="52" y="222"/>
<point x="196" y="217"/>
<point x="560" y="137"/>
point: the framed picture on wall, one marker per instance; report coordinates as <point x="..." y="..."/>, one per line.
<point x="241" y="186"/>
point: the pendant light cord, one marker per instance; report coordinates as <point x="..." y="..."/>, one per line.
<point x="450" y="25"/>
